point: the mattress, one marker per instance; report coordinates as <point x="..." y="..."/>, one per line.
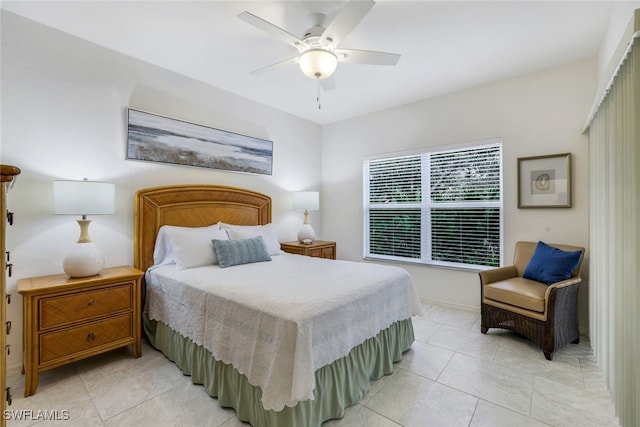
<point x="278" y="322"/>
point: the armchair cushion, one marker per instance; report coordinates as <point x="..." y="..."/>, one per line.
<point x="519" y="292"/>
<point x="550" y="265"/>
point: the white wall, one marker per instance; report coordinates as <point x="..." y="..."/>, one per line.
<point x="64" y="117"/>
<point x="536" y="114"/>
<point x="621" y="15"/>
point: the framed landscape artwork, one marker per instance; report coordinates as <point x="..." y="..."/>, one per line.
<point x="156" y="138"/>
<point x="544" y="181"/>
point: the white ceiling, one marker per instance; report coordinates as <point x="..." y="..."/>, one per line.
<point x="445" y="46"/>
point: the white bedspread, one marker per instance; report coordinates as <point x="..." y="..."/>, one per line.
<point x="277" y="322"/>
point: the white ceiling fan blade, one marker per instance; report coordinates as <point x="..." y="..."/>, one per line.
<point x="346" y="20"/>
<point x="273" y="30"/>
<point x="272" y="67"/>
<point x="355" y="56"/>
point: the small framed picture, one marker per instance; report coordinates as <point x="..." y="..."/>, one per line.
<point x="544" y="181"/>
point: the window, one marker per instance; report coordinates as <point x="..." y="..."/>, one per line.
<point x="441" y="207"/>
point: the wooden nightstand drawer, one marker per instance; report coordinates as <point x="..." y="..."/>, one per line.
<point x="324" y="252"/>
<point x="318" y="249"/>
<point x="62" y="310"/>
<point x="62" y="344"/>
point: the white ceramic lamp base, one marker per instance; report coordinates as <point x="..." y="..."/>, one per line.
<point x="85" y="259"/>
<point x="307" y="200"/>
<point x="306" y="234"/>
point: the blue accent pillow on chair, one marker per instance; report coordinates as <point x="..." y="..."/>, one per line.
<point x="550" y="265"/>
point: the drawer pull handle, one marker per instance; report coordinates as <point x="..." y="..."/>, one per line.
<point x="8" y="326"/>
<point x="8" y="298"/>
<point x="10" y="217"/>
<point x="91" y="337"/>
<point x="8" y="346"/>
<point x="8" y="392"/>
<point x="10" y="268"/>
<point x="91" y="302"/>
<point x="8" y="256"/>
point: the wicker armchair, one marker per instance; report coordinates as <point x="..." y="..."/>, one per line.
<point x="545" y="314"/>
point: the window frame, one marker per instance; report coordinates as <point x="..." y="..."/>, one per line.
<point x="426" y="205"/>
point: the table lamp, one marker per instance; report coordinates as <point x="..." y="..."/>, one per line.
<point x="83" y="198"/>
<point x="309" y="201"/>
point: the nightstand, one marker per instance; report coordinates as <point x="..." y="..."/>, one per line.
<point x="67" y="319"/>
<point x="318" y="248"/>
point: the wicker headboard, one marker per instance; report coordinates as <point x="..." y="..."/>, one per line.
<point x="191" y="206"/>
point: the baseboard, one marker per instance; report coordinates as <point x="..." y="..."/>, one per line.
<point x="584" y="332"/>
<point x="449" y="304"/>
<point x="13" y="370"/>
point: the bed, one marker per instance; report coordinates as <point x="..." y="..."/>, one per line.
<point x="265" y="338"/>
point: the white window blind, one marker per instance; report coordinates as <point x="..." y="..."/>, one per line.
<point x="440" y="207"/>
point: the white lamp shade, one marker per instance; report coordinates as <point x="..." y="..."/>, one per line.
<point x="83" y="198"/>
<point x="318" y="63"/>
<point x="307" y="200"/>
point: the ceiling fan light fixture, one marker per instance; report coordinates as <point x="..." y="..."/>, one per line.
<point x="318" y="63"/>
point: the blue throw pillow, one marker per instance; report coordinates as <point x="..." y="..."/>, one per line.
<point x="242" y="251"/>
<point x="550" y="265"/>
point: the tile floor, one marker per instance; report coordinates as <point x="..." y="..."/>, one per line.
<point x="452" y="376"/>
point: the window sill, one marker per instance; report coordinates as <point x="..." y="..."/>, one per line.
<point x="471" y="268"/>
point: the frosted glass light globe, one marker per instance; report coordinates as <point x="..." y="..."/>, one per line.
<point x="318" y="63"/>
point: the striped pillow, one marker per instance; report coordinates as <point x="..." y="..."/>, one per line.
<point x="242" y="251"/>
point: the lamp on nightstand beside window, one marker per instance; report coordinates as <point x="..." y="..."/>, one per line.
<point x="83" y="198"/>
<point x="309" y="201"/>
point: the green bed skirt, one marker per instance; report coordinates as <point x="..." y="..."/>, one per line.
<point x="341" y="384"/>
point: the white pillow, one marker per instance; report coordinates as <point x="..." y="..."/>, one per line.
<point x="162" y="253"/>
<point x="268" y="233"/>
<point x="189" y="246"/>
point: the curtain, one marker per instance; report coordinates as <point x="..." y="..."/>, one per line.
<point x="614" y="242"/>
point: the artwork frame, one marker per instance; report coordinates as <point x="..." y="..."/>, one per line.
<point x="544" y="181"/>
<point x="156" y="138"/>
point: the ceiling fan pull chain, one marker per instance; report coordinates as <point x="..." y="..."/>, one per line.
<point x="318" y="91"/>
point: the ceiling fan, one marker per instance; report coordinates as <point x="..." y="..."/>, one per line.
<point x="319" y="50"/>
